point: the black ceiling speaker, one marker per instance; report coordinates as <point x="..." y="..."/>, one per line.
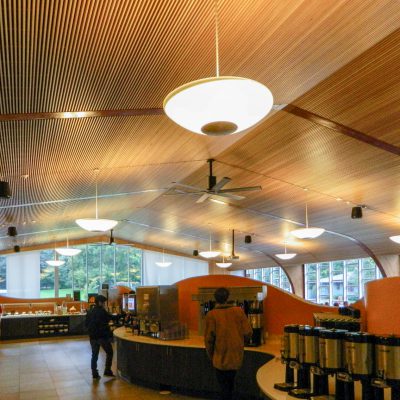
<point x="112" y="241"/>
<point x="17" y="249"/>
<point x="12" y="231"/>
<point x="356" y="212"/>
<point x="195" y="253"/>
<point x="247" y="239"/>
<point x="5" y="190"/>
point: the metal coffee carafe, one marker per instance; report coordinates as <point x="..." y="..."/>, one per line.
<point x="289" y="352"/>
<point x="359" y="364"/>
<point x="387" y="365"/>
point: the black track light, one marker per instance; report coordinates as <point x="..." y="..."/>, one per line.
<point x="356" y="212"/>
<point x="247" y="239"/>
<point x="5" y="191"/>
<point x="12" y="231"/>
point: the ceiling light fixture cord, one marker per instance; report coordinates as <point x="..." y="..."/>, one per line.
<point x="216" y="40"/>
<point x="306" y="215"/>
<point x="97" y="210"/>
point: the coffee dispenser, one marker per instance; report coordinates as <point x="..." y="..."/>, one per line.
<point x="387" y="366"/>
<point x="307" y="384"/>
<point x="331" y="361"/>
<point x="359" y="362"/>
<point x="289" y="352"/>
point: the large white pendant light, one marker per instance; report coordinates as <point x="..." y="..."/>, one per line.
<point x="307" y="232"/>
<point x="219" y="105"/>
<point x="286" y="255"/>
<point x="395" y="239"/>
<point x="223" y="264"/>
<point x="96" y="224"/>
<point x="210" y="253"/>
<point x="68" y="251"/>
<point x="55" y="262"/>
<point x="163" y="263"/>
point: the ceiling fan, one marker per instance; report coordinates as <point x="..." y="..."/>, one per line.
<point x="214" y="191"/>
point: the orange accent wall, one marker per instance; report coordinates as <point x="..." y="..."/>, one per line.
<point x="280" y="308"/>
<point x="382" y="303"/>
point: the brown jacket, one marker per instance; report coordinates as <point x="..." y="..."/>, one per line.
<point x="226" y="329"/>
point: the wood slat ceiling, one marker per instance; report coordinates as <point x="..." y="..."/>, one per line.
<point x="326" y="57"/>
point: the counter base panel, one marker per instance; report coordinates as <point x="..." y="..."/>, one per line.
<point x="186" y="370"/>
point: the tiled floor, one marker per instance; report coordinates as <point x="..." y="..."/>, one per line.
<point x="60" y="369"/>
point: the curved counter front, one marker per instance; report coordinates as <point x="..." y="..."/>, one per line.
<point x="183" y="364"/>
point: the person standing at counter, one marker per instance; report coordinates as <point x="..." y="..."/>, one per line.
<point x="97" y="323"/>
<point x="226" y="330"/>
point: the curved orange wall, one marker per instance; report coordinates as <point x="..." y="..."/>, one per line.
<point x="280" y="308"/>
<point x="382" y="303"/>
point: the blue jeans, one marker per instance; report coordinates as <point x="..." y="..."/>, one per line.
<point x="105" y="344"/>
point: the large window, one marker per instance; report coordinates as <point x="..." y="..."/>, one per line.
<point x="275" y="276"/>
<point x="94" y="265"/>
<point x="335" y="282"/>
<point x="3" y="276"/>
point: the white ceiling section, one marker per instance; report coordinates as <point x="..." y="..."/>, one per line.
<point x="121" y="58"/>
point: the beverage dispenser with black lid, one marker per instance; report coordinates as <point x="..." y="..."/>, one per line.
<point x="387" y="365"/>
<point x="359" y="364"/>
<point x="289" y="352"/>
<point x="330" y="361"/>
<point x="308" y="357"/>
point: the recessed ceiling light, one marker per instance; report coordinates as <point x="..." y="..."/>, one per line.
<point x="338" y="199"/>
<point x="25" y="176"/>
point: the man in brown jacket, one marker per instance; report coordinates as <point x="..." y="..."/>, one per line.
<point x="225" y="333"/>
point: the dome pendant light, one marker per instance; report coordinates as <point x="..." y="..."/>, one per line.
<point x="163" y="263"/>
<point x="223" y="264"/>
<point x="307" y="233"/>
<point x="210" y="253"/>
<point x="96" y="224"/>
<point x="220" y="105"/>
<point x="55" y="262"/>
<point x="68" y="251"/>
<point x="286" y="255"/>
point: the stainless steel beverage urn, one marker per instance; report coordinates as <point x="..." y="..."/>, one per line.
<point x="292" y="334"/>
<point x="387" y="358"/>
<point x="359" y="347"/>
<point x="309" y="344"/>
<point x="331" y="349"/>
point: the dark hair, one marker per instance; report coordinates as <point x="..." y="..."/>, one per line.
<point x="221" y="295"/>
<point x="100" y="299"/>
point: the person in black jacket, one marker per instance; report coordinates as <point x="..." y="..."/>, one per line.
<point x="97" y="323"/>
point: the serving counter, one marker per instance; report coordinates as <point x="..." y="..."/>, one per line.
<point x="183" y="364"/>
<point x="36" y="326"/>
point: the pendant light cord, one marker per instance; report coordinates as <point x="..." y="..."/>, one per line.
<point x="216" y="40"/>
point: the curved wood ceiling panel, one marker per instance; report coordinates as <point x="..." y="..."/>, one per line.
<point x="364" y="94"/>
<point x="60" y="56"/>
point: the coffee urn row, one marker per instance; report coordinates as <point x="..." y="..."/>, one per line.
<point x="314" y="353"/>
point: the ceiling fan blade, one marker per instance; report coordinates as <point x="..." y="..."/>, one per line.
<point x="176" y="192"/>
<point x="203" y="198"/>
<point x="197" y="189"/>
<point x="228" y="196"/>
<point x="216" y="188"/>
<point x="241" y="189"/>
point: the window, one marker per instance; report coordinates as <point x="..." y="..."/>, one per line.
<point x="3" y="276"/>
<point x="339" y="281"/>
<point x="94" y="265"/>
<point x="275" y="276"/>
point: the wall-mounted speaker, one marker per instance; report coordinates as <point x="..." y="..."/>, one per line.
<point x="356" y="212"/>
<point x="17" y="249"/>
<point x="195" y="253"/>
<point x="5" y="190"/>
<point x="247" y="239"/>
<point x="12" y="231"/>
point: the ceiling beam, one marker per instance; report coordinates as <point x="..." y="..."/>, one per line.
<point x="343" y="129"/>
<point x="81" y="114"/>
